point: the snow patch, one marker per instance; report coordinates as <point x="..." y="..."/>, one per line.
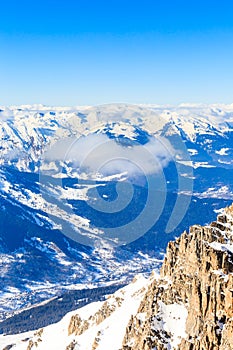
<point x="172" y="318"/>
<point x="222" y="151"/>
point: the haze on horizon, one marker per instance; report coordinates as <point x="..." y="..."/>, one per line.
<point x="96" y="52"/>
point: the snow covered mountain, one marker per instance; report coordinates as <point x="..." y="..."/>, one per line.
<point x="77" y="186"/>
<point x="26" y="130"/>
<point x="188" y="306"/>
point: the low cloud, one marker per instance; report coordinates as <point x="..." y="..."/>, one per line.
<point x="96" y="153"/>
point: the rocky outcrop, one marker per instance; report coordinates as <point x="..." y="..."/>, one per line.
<point x="36" y="339"/>
<point x="190" y="306"/>
<point x="72" y="345"/>
<point x="79" y="325"/>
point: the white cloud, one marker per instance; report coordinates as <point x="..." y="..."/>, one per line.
<point x="97" y="153"/>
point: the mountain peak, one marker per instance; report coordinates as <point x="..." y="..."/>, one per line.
<point x="189" y="306"/>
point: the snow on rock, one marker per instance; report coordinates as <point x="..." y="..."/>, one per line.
<point x="99" y="329"/>
<point x="173" y="320"/>
<point x="222" y="247"/>
<point x="168" y="311"/>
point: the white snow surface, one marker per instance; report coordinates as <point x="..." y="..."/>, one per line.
<point x="26" y="131"/>
<point x="222" y="151"/>
<point x="173" y="319"/>
<point x="110" y="332"/>
<point x="222" y="247"/>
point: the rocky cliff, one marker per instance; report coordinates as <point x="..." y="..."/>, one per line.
<point x="190" y="307"/>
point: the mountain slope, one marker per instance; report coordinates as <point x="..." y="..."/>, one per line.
<point x="64" y="226"/>
<point x="189" y="306"/>
<point x="83" y="328"/>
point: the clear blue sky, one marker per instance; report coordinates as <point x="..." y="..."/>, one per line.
<point x="93" y="51"/>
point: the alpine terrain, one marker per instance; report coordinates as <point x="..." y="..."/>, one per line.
<point x="90" y="198"/>
<point x="188" y="306"/>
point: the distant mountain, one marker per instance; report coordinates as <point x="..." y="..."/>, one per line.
<point x="188" y="306"/>
<point x="25" y="131"/>
<point x="91" y="196"/>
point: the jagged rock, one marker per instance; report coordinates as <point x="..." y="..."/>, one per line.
<point x="30" y="345"/>
<point x="72" y="345"/>
<point x="189" y="306"/>
<point x="78" y="325"/>
<point x="197" y="275"/>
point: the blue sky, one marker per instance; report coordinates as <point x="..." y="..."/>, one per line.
<point x="93" y="52"/>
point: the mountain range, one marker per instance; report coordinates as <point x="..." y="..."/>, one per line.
<point x="90" y="197"/>
<point x="187" y="306"/>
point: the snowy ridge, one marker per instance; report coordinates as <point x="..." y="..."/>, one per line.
<point x="51" y="262"/>
<point x="25" y="131"/>
<point x="160" y="310"/>
<point x="94" y="325"/>
<point x="98" y="328"/>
